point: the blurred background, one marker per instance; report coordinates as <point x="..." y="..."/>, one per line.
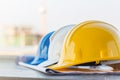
<point x="24" y="22"/>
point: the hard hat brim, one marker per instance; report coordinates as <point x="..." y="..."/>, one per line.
<point x="48" y="63"/>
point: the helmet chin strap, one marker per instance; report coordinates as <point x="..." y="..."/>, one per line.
<point x="104" y="66"/>
<point x="101" y="68"/>
<point x="110" y="62"/>
<point x="97" y="67"/>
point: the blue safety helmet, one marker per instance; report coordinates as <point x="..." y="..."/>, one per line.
<point x="42" y="52"/>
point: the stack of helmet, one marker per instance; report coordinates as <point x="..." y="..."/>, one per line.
<point x="90" y="41"/>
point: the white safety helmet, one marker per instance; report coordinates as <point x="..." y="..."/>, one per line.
<point x="56" y="43"/>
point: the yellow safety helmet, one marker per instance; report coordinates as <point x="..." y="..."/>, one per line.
<point x="90" y="41"/>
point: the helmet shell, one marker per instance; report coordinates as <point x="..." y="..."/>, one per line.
<point x="90" y="41"/>
<point x="42" y="52"/>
